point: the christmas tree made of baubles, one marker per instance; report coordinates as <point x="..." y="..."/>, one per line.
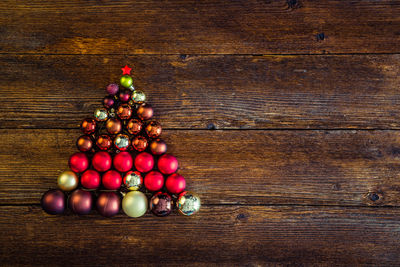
<point x="121" y="155"/>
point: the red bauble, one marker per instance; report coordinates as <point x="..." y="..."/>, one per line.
<point x="123" y="161"/>
<point x="175" y="183"/>
<point x="102" y="161"/>
<point x="167" y="164"/>
<point x="112" y="180"/>
<point x="78" y="162"/>
<point x="144" y="162"/>
<point x="154" y="181"/>
<point x="104" y="142"/>
<point x="124" y="96"/>
<point x="84" y="143"/>
<point x="90" y="179"/>
<point x="88" y="126"/>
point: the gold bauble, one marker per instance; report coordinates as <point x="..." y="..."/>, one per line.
<point x="138" y="97"/>
<point x="188" y="203"/>
<point x="135" y="204"/>
<point x="67" y="181"/>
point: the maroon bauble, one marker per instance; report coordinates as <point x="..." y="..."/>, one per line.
<point x="78" y="162"/>
<point x="154" y="181"/>
<point x="84" y="143"/>
<point x="104" y="142"/>
<point x="80" y="202"/>
<point x="111" y="180"/>
<point x="158" y="147"/>
<point x="123" y="161"/>
<point x="90" y="179"/>
<point x="175" y="183"/>
<point x="161" y="204"/>
<point x="108" y="204"/>
<point x="112" y="89"/>
<point x="144" y="162"/>
<point x="134" y="126"/>
<point x="139" y="143"/>
<point x="108" y="102"/>
<point x="124" y="96"/>
<point x="145" y="112"/>
<point x="88" y="126"/>
<point x="167" y="164"/>
<point x="153" y="129"/>
<point x="113" y="126"/>
<point x="102" y="161"/>
<point x="124" y="111"/>
<point x="53" y="201"/>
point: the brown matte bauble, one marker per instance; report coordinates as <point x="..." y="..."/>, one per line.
<point x="108" y="204"/>
<point x="145" y="112"/>
<point x="113" y="126"/>
<point x="88" y="126"/>
<point x="80" y="202"/>
<point x="139" y="143"/>
<point x="153" y="129"/>
<point x="134" y="126"/>
<point x="158" y="147"/>
<point x="124" y="111"/>
<point x="84" y="143"/>
<point x="104" y="142"/>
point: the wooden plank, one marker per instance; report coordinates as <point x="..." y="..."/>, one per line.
<point x="232" y="167"/>
<point x="223" y="235"/>
<point x="205" y="27"/>
<point x="223" y="92"/>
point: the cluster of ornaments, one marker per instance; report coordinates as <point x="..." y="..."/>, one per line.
<point x="121" y="156"/>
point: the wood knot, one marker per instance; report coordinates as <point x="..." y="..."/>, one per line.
<point x="375" y="197"/>
<point x="242" y="216"/>
<point x="293" y="4"/>
<point x="211" y="126"/>
<point x="320" y="36"/>
<point x="183" y="56"/>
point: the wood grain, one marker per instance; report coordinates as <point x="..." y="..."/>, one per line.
<point x="223" y="92"/>
<point x="205" y="27"/>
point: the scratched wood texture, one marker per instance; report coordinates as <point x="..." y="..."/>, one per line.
<point x="284" y="116"/>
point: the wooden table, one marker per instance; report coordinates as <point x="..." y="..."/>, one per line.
<point x="284" y="116"/>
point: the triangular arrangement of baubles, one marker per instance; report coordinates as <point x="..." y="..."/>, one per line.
<point x="121" y="156"/>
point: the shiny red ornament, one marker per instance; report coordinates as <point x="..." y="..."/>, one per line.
<point x="78" y="162"/>
<point x="144" y="162"/>
<point x="154" y="181"/>
<point x="145" y="112"/>
<point x="84" y="143"/>
<point x="101" y="161"/>
<point x="80" y="202"/>
<point x="158" y="147"/>
<point x="104" y="142"/>
<point x="124" y="96"/>
<point x="124" y="111"/>
<point x="90" y="179"/>
<point x="123" y="161"/>
<point x="108" y="204"/>
<point x="88" y="126"/>
<point x="167" y="164"/>
<point x="134" y="126"/>
<point x="139" y="143"/>
<point x="175" y="183"/>
<point x="112" y="180"/>
<point x="126" y="70"/>
<point x="153" y="129"/>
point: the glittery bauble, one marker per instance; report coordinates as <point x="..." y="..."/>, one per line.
<point x="101" y="161"/>
<point x="84" y="143"/>
<point x="78" y="162"/>
<point x="126" y="81"/>
<point x="167" y="164"/>
<point x="134" y="126"/>
<point x="158" y="147"/>
<point x="88" y="126"/>
<point x="104" y="142"/>
<point x="145" y="112"/>
<point x="112" y="89"/>
<point x="111" y="180"/>
<point x="90" y="179"/>
<point x="124" y="111"/>
<point x="123" y="161"/>
<point x="53" y="202"/>
<point x="135" y="204"/>
<point x="122" y="142"/>
<point x="101" y="114"/>
<point x="154" y="181"/>
<point x="175" y="183"/>
<point x="139" y="143"/>
<point x="153" y="129"/>
<point x="188" y="203"/>
<point x="67" y="181"/>
<point x="108" y="102"/>
<point x="113" y="126"/>
<point x="138" y="97"/>
<point x="124" y="96"/>
<point x="80" y="202"/>
<point x="144" y="162"/>
<point x="108" y="204"/>
<point x="161" y="204"/>
<point x="133" y="180"/>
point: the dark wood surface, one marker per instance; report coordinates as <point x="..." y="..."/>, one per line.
<point x="284" y="116"/>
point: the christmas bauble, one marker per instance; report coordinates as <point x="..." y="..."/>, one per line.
<point x="124" y="96"/>
<point x="188" y="203"/>
<point x="126" y="81"/>
<point x="67" y="181"/>
<point x="158" y="147"/>
<point x="153" y="129"/>
<point x="90" y="179"/>
<point x="135" y="204"/>
<point x="133" y="180"/>
<point x="175" y="183"/>
<point x="122" y="142"/>
<point x="53" y="201"/>
<point x="104" y="142"/>
<point x="80" y="202"/>
<point x="108" y="102"/>
<point x="154" y="181"/>
<point x="145" y="112"/>
<point x="84" y="143"/>
<point x="113" y="126"/>
<point x="88" y="126"/>
<point x="167" y="164"/>
<point x="78" y="162"/>
<point x="123" y="161"/>
<point x="134" y="126"/>
<point x="111" y="180"/>
<point x="101" y="114"/>
<point x="139" y="143"/>
<point x="124" y="111"/>
<point x="101" y="161"/>
<point x="138" y="97"/>
<point x="108" y="204"/>
<point x="161" y="204"/>
<point x="112" y="89"/>
<point x="144" y="162"/>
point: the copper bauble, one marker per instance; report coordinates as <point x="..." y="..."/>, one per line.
<point x="134" y="126"/>
<point x="88" y="126"/>
<point x="108" y="204"/>
<point x="161" y="204"/>
<point x="145" y="112"/>
<point x="158" y="147"/>
<point x="124" y="111"/>
<point x="139" y="143"/>
<point x="122" y="142"/>
<point x="80" y="202"/>
<point x="84" y="143"/>
<point x="113" y="126"/>
<point x="153" y="129"/>
<point x="104" y="142"/>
